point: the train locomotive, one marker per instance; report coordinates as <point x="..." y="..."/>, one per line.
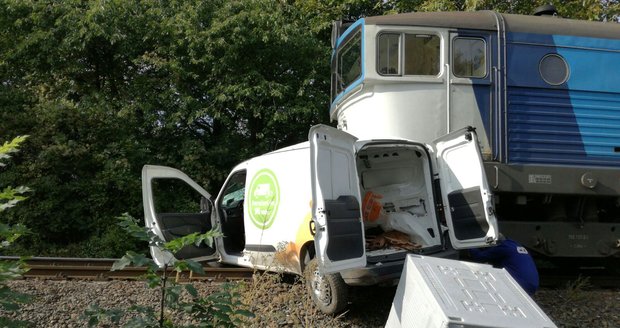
<point x="543" y="93"/>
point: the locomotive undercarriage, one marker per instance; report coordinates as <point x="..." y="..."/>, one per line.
<point x="559" y="212"/>
<point x="561" y="225"/>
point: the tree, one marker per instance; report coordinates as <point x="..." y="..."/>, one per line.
<point x="106" y="87"/>
<point x="576" y="9"/>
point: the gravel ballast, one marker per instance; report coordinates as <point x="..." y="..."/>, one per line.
<point x="61" y="303"/>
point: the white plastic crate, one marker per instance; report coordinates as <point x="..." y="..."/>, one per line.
<point x="435" y="292"/>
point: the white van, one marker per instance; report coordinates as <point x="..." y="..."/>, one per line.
<point x="328" y="207"/>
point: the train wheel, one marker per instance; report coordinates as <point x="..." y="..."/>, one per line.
<point x="329" y="292"/>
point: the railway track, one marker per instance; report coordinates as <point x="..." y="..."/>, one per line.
<point x="100" y="269"/>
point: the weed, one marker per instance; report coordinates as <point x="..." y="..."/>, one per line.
<point x="575" y="290"/>
<point x="289" y="302"/>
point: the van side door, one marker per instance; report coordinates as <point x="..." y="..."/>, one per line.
<point x="176" y="206"/>
<point x="336" y="214"/>
<point x="467" y="199"/>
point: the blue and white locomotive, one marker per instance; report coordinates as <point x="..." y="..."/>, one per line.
<point x="542" y="91"/>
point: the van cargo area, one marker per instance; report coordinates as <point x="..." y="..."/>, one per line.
<point x="397" y="188"/>
<point x="398" y="210"/>
<point x="411" y="197"/>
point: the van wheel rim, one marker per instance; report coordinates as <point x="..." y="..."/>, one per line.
<point x="321" y="289"/>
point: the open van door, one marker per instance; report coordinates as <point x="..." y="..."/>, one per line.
<point x="176" y="206"/>
<point x="467" y="199"/>
<point x="336" y="214"/>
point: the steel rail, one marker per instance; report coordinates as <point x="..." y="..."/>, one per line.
<point x="100" y="269"/>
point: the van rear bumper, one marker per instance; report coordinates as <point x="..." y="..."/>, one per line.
<point x="374" y="274"/>
<point x="386" y="272"/>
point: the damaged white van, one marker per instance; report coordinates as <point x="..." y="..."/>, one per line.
<point x="342" y="210"/>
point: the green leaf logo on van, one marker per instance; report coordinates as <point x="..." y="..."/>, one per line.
<point x="264" y="198"/>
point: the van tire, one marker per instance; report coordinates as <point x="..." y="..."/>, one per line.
<point x="328" y="292"/>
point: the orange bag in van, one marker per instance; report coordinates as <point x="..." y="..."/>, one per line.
<point x="371" y="206"/>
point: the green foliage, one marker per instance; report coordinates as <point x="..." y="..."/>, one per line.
<point x="10" y="233"/>
<point x="133" y="258"/>
<point x="128" y="223"/>
<point x="326" y="11"/>
<point x="221" y="309"/>
<point x="106" y="87"/>
<point x="138" y="316"/>
<point x="11" y="300"/>
<point x="10" y="147"/>
<point x="606" y="10"/>
<point x="9" y="196"/>
<point x="10" y="270"/>
<point x="192" y="239"/>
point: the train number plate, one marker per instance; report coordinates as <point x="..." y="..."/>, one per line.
<point x="539" y="178"/>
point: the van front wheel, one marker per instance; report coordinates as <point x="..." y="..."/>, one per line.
<point x="328" y="291"/>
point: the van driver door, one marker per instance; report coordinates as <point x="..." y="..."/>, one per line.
<point x="336" y="213"/>
<point x="176" y="206"/>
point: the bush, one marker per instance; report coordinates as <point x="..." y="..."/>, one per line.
<point x="221" y="309"/>
<point x="9" y="270"/>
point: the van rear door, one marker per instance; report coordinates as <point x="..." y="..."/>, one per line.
<point x="467" y="199"/>
<point x="176" y="206"/>
<point x="338" y="227"/>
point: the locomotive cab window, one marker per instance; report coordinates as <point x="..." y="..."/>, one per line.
<point x="421" y="54"/>
<point x="408" y="54"/>
<point x="389" y="53"/>
<point x="469" y="57"/>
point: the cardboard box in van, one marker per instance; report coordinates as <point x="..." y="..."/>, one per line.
<point x="343" y="211"/>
